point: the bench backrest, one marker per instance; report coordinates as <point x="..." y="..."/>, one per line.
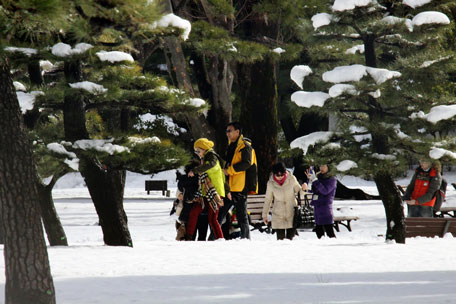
<point x="156" y="185"/>
<point x="429" y="227"/>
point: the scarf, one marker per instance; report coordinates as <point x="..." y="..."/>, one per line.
<point x="280" y="182"/>
<point x="210" y="194"/>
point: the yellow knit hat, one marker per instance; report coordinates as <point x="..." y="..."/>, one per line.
<point x="203" y="143"/>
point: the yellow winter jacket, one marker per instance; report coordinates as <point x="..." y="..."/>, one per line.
<point x="242" y="168"/>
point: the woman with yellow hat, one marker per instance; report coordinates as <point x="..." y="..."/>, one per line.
<point x="212" y="187"/>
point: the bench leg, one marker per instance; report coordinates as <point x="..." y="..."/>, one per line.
<point x="168" y="193"/>
<point x="336" y="226"/>
<point x="148" y="192"/>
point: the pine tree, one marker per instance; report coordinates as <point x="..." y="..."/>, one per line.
<point x="101" y="100"/>
<point x="387" y="102"/>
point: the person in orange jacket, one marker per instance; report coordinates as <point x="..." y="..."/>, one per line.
<point x="420" y="193"/>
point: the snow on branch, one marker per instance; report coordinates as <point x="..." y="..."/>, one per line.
<point x="339" y="89"/>
<point x="430" y="18"/>
<point x="27" y="100"/>
<point x="309" y="99"/>
<point x="437" y="113"/>
<point x="345" y="5"/>
<point x="321" y="19"/>
<point x="437" y="153"/>
<point x="89" y="87"/>
<point x="26" y="51"/>
<point x="416" y="3"/>
<point x="356" y="72"/>
<point x="299" y="72"/>
<point x="176" y="21"/>
<point x="304" y="142"/>
<point x="64" y="50"/>
<point x="101" y="145"/>
<point x="114" y="56"/>
<point x="346" y="165"/>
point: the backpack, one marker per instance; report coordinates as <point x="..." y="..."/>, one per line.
<point x="440" y="195"/>
<point x="251" y="179"/>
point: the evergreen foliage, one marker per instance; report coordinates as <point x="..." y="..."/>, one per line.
<point x="382" y="124"/>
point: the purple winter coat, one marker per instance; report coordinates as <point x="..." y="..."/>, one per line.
<point x="325" y="189"/>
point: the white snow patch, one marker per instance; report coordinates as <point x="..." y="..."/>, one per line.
<point x="60" y="149"/>
<point x="19" y="86"/>
<point x="27" y="100"/>
<point x="101" y="145"/>
<point x="376" y="94"/>
<point x="89" y="87"/>
<point x="383" y="156"/>
<point x="357" y="48"/>
<point x="345" y="5"/>
<point x="346" y="165"/>
<point x="298" y="73"/>
<point x="26" y="51"/>
<point x="278" y="50"/>
<point x="139" y="140"/>
<point x="437" y="113"/>
<point x="197" y="102"/>
<point x="304" y="142"/>
<point x="437" y="153"/>
<point x="114" y="56"/>
<point x="356" y="72"/>
<point x="430" y="18"/>
<point x="175" y="21"/>
<point x="309" y="99"/>
<point x="321" y="19"/>
<point x="339" y="89"/>
<point x="64" y="50"/>
<point x="72" y="163"/>
<point x="416" y="3"/>
<point x="46" y="65"/>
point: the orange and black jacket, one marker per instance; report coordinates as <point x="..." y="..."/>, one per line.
<point x="423" y="186"/>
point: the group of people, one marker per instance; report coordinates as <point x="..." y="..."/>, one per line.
<point x="215" y="185"/>
<point x="212" y="186"/>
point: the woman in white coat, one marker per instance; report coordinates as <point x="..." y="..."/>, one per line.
<point x="282" y="189"/>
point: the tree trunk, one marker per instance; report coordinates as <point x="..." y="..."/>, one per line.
<point x="54" y="229"/>
<point x="259" y="113"/>
<point x="27" y="271"/>
<point x="106" y="187"/>
<point x="221" y="80"/>
<point x="391" y="198"/>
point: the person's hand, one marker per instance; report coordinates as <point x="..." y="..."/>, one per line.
<point x="311" y="175"/>
<point x="265" y="220"/>
<point x="305" y="187"/>
<point x="411" y="202"/>
<point x="225" y="172"/>
<point x="180" y="196"/>
<point x="229" y="196"/>
<point x="191" y="174"/>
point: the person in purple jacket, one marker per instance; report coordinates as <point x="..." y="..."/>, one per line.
<point x="323" y="186"/>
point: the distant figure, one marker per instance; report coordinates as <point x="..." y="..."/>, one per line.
<point x="420" y="193"/>
<point x="282" y="189"/>
<point x="324" y="189"/>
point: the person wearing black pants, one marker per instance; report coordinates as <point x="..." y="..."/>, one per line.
<point x="241" y="169"/>
<point x="321" y="229"/>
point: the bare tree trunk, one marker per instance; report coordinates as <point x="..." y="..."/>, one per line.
<point x="54" y="229"/>
<point x="27" y="270"/>
<point x="106" y="187"/>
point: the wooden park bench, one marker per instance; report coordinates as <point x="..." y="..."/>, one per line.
<point x="255" y="209"/>
<point x="157" y="185"/>
<point x="429" y="226"/>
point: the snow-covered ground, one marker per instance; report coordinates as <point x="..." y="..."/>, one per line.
<point x="356" y="267"/>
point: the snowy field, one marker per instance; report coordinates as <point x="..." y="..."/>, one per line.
<point x="357" y="267"/>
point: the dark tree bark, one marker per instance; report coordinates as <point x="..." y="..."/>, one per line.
<point x="343" y="192"/>
<point x="27" y="271"/>
<point x="106" y="187"/>
<point x="259" y="100"/>
<point x="54" y="229"/>
<point x="391" y="198"/>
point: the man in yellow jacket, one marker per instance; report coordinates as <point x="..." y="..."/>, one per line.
<point x="241" y="169"/>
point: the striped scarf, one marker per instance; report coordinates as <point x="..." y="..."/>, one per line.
<point x="210" y="195"/>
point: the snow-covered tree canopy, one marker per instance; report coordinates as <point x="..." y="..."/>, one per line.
<point x="386" y="89"/>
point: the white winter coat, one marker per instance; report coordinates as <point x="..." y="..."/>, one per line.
<point x="284" y="198"/>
